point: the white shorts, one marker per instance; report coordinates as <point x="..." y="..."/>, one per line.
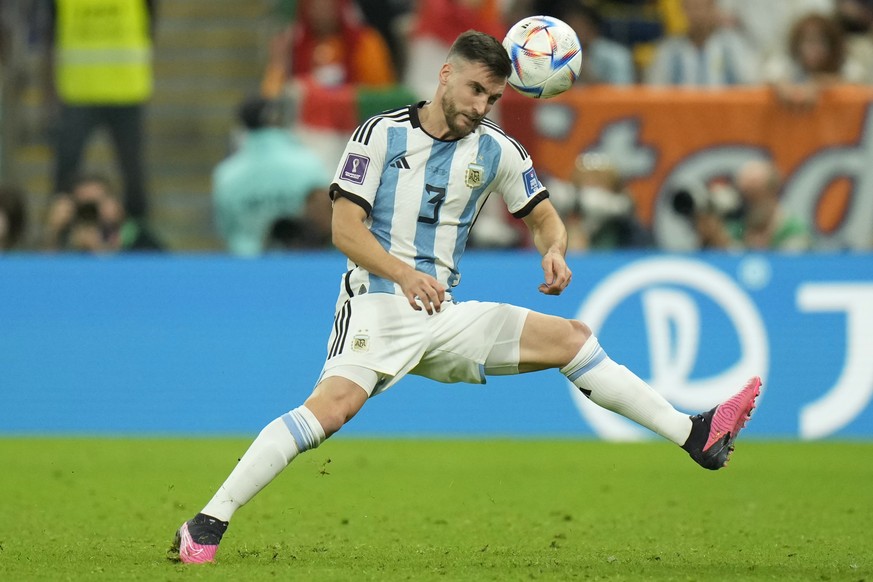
<point x="461" y="343"/>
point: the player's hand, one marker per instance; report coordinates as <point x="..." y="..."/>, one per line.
<point x="557" y="274"/>
<point x="422" y="291"/>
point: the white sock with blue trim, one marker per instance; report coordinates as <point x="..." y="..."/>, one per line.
<point x="277" y="444"/>
<point x="616" y="388"/>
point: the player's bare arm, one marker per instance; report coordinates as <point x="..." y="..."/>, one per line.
<point x="550" y="239"/>
<point x="352" y="237"/>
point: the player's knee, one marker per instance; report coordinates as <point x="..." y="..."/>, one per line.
<point x="332" y="416"/>
<point x="331" y="420"/>
<point x="578" y="333"/>
<point x="335" y="403"/>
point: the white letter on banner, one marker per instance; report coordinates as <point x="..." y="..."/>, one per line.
<point x="802" y="192"/>
<point x="672" y="358"/>
<point x="620" y="140"/>
<point x="853" y="389"/>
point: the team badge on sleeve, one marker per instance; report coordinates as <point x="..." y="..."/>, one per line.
<point x="355" y="168"/>
<point x="475" y="175"/>
<point x="531" y="182"/>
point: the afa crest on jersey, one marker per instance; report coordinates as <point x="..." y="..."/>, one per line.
<point x="475" y="175"/>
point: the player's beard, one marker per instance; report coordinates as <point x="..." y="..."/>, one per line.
<point x="452" y="114"/>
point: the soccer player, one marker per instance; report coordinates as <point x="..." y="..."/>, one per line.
<point x="406" y="193"/>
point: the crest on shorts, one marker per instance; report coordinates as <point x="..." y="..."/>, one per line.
<point x="475" y="175"/>
<point x="361" y="343"/>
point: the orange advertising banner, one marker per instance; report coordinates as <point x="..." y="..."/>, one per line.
<point x="662" y="138"/>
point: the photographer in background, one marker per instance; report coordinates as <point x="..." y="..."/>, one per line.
<point x="598" y="212"/>
<point x="91" y="219"/>
<point x="747" y="216"/>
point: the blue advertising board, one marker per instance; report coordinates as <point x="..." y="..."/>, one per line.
<point x="212" y="345"/>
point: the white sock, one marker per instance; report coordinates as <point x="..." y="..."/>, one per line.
<point x="277" y="444"/>
<point x="618" y="389"/>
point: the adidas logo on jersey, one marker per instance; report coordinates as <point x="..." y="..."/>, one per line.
<point x="400" y="163"/>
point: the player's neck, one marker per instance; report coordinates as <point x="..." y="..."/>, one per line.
<point x="433" y="121"/>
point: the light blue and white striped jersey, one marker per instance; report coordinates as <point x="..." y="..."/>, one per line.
<point x="422" y="194"/>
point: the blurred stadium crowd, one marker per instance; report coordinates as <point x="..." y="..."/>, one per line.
<point x="269" y="193"/>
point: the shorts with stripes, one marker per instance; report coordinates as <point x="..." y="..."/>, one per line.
<point x="463" y="342"/>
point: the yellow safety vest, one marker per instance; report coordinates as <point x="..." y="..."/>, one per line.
<point x="103" y="52"/>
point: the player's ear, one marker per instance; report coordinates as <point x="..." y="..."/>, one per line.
<point x="445" y="73"/>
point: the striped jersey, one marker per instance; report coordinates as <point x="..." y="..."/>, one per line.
<point x="422" y="194"/>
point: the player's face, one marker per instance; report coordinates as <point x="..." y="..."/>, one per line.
<point x="470" y="93"/>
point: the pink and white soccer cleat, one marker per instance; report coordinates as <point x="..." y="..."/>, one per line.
<point x="713" y="433"/>
<point x="197" y="540"/>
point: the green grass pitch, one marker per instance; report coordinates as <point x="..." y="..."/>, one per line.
<point x="106" y="509"/>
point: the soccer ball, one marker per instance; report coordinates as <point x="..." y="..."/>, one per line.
<point x="546" y="56"/>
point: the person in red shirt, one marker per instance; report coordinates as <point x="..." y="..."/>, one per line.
<point x="436" y="24"/>
<point x="328" y="44"/>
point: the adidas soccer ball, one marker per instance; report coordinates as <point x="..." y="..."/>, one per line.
<point x="546" y="56"/>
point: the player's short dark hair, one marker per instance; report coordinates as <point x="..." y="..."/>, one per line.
<point x="478" y="47"/>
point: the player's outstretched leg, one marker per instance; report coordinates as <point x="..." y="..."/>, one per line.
<point x="333" y="403"/>
<point x="713" y="433"/>
<point x="279" y="442"/>
<point x="708" y="437"/>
